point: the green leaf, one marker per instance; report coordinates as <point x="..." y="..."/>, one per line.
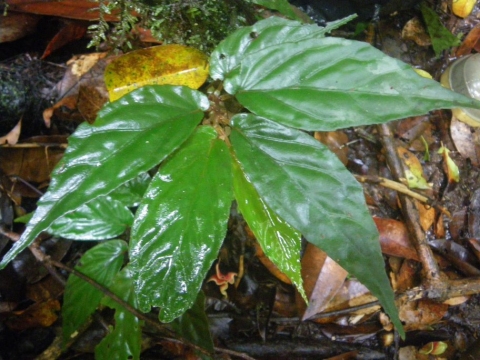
<point x="125" y="340"/>
<point x="193" y="325"/>
<point x="264" y="34"/>
<point x="131" y="193"/>
<point x="442" y="38"/>
<point x="100" y="219"/>
<point x="282" y="6"/>
<point x="279" y="241"/>
<point x="129" y="137"/>
<point x="319" y="83"/>
<point x="101" y="263"/>
<point x="180" y="224"/>
<point x="305" y="184"/>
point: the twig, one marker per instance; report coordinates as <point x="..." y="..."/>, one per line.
<point x="410" y="213"/>
<point x="399" y="187"/>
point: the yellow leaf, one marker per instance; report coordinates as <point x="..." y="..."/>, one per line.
<point x="413" y="170"/>
<point x="159" y="65"/>
<point x="453" y="173"/>
<point x="463" y="8"/>
<point x="423" y="73"/>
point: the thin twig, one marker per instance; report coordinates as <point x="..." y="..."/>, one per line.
<point x="409" y="211"/>
<point x="401" y="188"/>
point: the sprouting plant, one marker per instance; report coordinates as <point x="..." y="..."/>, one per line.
<point x="288" y="78"/>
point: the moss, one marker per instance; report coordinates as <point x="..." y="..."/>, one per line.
<point x="198" y="23"/>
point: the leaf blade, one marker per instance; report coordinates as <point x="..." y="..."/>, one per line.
<point x="101" y="263"/>
<point x="279" y="241"/>
<point x="320" y="83"/>
<point x="180" y="224"/>
<point x="171" y="64"/>
<point x="263" y="34"/>
<point x="167" y="117"/>
<point x="311" y="189"/>
<point x="125" y="340"/>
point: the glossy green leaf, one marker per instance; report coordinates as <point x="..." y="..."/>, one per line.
<point x="131" y="193"/>
<point x="129" y="137"/>
<point x="320" y="83"/>
<point x="282" y="6"/>
<point x="100" y="219"/>
<point x="306" y="184"/>
<point x="101" y="263"/>
<point x="181" y="223"/>
<point x="264" y="34"/>
<point x="125" y="339"/>
<point x="279" y="241"/>
<point x="193" y="325"/>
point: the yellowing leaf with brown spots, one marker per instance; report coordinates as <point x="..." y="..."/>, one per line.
<point x="159" y="65"/>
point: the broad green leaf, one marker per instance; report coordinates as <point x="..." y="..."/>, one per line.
<point x="180" y="224"/>
<point x="320" y="83"/>
<point x="306" y="184"/>
<point x="171" y="64"/>
<point x="442" y="38"/>
<point x="100" y="219"/>
<point x="193" y="325"/>
<point x="101" y="263"/>
<point x="129" y="137"/>
<point x="282" y="6"/>
<point x="264" y="34"/>
<point x="279" y="241"/>
<point x="125" y="339"/>
<point x="131" y="193"/>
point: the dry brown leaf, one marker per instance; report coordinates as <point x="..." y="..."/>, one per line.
<point x="72" y="9"/>
<point x="415" y="31"/>
<point x="14" y="26"/>
<point x="72" y="30"/>
<point x="466" y="140"/>
<point x="41" y="314"/>
<point x="32" y="162"/>
<point x="426" y="214"/>
<point x="418" y="315"/>
<point x="12" y="137"/>
<point x="471" y="42"/>
<point x="335" y="141"/>
<point x="395" y="239"/>
<point x="322" y="278"/>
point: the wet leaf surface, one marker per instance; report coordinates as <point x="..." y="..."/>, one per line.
<point x="189" y="201"/>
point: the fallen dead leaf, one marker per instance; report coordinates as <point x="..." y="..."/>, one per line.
<point x="466" y="140"/>
<point x="14" y="26"/>
<point x="12" y="137"/>
<point x="395" y="239"/>
<point x="415" y="31"/>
